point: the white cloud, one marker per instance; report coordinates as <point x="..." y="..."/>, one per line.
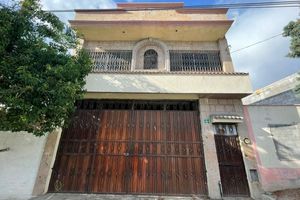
<point x="266" y="62"/>
<point x="70" y="4"/>
<point x="75" y="4"/>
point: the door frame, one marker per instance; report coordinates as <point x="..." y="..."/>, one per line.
<point x="241" y="165"/>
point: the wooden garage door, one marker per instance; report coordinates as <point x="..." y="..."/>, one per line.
<point x="132" y="147"/>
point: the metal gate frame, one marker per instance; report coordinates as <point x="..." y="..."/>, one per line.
<point x="131" y="105"/>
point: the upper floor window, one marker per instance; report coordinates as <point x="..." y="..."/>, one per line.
<point x="195" y="61"/>
<point x="150" y="59"/>
<point x="112" y="60"/>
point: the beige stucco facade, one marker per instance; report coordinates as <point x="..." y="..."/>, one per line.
<point x="178" y="29"/>
<point x="152" y="15"/>
<point x="177" y="24"/>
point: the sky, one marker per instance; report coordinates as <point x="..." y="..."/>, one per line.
<point x="266" y="62"/>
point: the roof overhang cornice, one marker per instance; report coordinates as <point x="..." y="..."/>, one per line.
<point x="146" y="23"/>
<point x="204" y="30"/>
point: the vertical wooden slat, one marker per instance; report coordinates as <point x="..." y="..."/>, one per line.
<point x="232" y="170"/>
<point x="164" y="146"/>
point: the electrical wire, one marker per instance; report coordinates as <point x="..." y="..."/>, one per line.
<point x="270" y="4"/>
<point x="256" y="43"/>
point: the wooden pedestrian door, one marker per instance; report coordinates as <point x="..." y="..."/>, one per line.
<point x="131" y="147"/>
<point x="231" y="165"/>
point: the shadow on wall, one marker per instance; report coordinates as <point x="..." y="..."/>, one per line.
<point x="127" y="83"/>
<point x="277" y="144"/>
<point x="286" y="139"/>
<point x="281" y="132"/>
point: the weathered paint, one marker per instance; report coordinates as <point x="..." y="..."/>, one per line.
<point x="274" y="174"/>
<point x="46" y="164"/>
<point x="19" y="165"/>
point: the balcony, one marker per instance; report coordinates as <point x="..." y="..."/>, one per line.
<point x="190" y="72"/>
<point x="180" y="61"/>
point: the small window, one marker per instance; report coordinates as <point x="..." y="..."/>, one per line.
<point x="225" y="129"/>
<point x="254" y="175"/>
<point x="150" y="59"/>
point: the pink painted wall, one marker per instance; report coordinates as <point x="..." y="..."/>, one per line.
<point x="271" y="178"/>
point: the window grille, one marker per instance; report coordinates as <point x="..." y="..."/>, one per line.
<point x="150" y="59"/>
<point x="225" y="129"/>
<point x="111" y="60"/>
<point x="195" y="61"/>
<point x="92" y="104"/>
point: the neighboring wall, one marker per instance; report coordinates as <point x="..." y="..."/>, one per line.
<point x="19" y="165"/>
<point x="275" y="132"/>
<point x="278" y="93"/>
<point x="285" y="98"/>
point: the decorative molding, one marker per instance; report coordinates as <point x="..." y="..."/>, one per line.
<point x="142" y="46"/>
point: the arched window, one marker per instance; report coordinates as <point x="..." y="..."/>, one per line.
<point x="150" y="59"/>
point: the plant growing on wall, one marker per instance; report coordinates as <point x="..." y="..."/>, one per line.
<point x="39" y="79"/>
<point x="293" y="30"/>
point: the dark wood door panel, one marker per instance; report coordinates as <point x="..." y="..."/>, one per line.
<point x="131" y="151"/>
<point x="71" y="171"/>
<point x="231" y="165"/>
<point x="109" y="175"/>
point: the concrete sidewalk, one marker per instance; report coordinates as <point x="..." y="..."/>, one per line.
<point x="67" y="196"/>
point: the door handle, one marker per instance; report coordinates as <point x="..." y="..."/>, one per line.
<point x="126" y="154"/>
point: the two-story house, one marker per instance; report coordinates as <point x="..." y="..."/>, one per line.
<point x="162" y="114"/>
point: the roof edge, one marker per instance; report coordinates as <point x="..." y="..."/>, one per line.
<point x="147" y="22"/>
<point x="151" y="5"/>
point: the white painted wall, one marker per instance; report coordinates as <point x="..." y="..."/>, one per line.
<point x="168" y="83"/>
<point x="275" y="174"/>
<point x="19" y="165"/>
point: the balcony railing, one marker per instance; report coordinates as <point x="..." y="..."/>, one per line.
<point x="120" y="60"/>
<point x="111" y="60"/>
<point x="195" y="61"/>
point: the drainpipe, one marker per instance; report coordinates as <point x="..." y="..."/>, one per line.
<point x="220" y="188"/>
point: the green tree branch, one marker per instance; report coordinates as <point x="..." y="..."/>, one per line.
<point x="39" y="79"/>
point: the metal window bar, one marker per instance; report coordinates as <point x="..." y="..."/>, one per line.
<point x="195" y="61"/>
<point x="150" y="59"/>
<point x="111" y="60"/>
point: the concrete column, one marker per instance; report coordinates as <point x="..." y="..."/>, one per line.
<point x="225" y="56"/>
<point x="47" y="162"/>
<point x="210" y="154"/>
